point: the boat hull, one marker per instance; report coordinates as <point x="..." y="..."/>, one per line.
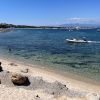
<point x="76" y="41"/>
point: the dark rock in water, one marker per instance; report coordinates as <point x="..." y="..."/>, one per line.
<point x="20" y="80"/>
<point x="1" y="67"/>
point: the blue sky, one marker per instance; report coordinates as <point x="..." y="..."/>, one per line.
<point x="48" y="12"/>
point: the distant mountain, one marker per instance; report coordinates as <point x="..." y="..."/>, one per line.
<point x="81" y="22"/>
<point x="80" y="25"/>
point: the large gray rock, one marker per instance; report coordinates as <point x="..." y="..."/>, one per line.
<point x="19" y="80"/>
<point x="1" y="67"/>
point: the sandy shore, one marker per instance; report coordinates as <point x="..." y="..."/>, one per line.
<point x="46" y="84"/>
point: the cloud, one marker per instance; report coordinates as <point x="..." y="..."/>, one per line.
<point x="83" y="20"/>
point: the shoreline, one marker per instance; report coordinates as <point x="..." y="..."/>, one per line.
<point x="54" y="71"/>
<point x="71" y="78"/>
<point x="5" y="29"/>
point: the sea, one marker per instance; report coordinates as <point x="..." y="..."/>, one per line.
<point x="49" y="49"/>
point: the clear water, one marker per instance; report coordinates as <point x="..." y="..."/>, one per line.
<point x="48" y="47"/>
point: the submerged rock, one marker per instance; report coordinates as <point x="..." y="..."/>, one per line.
<point x="19" y="80"/>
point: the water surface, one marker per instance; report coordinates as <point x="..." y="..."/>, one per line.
<point x="48" y="47"/>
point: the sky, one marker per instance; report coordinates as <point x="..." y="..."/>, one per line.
<point x="49" y="12"/>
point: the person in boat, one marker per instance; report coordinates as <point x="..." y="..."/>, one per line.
<point x="84" y="38"/>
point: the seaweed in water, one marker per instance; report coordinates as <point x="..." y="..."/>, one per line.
<point x="37" y="60"/>
<point x="62" y="63"/>
<point x="69" y="63"/>
<point x="73" y="64"/>
<point x="16" y="54"/>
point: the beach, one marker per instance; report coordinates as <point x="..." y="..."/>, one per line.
<point x="44" y="85"/>
<point x="50" y="50"/>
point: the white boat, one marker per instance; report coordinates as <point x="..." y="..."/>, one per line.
<point x="77" y="41"/>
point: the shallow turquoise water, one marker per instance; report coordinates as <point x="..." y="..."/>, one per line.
<point x="49" y="48"/>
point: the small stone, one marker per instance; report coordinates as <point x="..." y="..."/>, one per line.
<point x="25" y="70"/>
<point x="8" y="72"/>
<point x="13" y="64"/>
<point x="53" y="93"/>
<point x="37" y="96"/>
<point x="65" y="85"/>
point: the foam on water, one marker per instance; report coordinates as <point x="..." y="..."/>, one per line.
<point x="94" y="41"/>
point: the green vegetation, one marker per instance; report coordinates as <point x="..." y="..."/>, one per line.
<point x="4" y="25"/>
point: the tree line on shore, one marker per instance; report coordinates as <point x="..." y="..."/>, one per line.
<point x="4" y="25"/>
